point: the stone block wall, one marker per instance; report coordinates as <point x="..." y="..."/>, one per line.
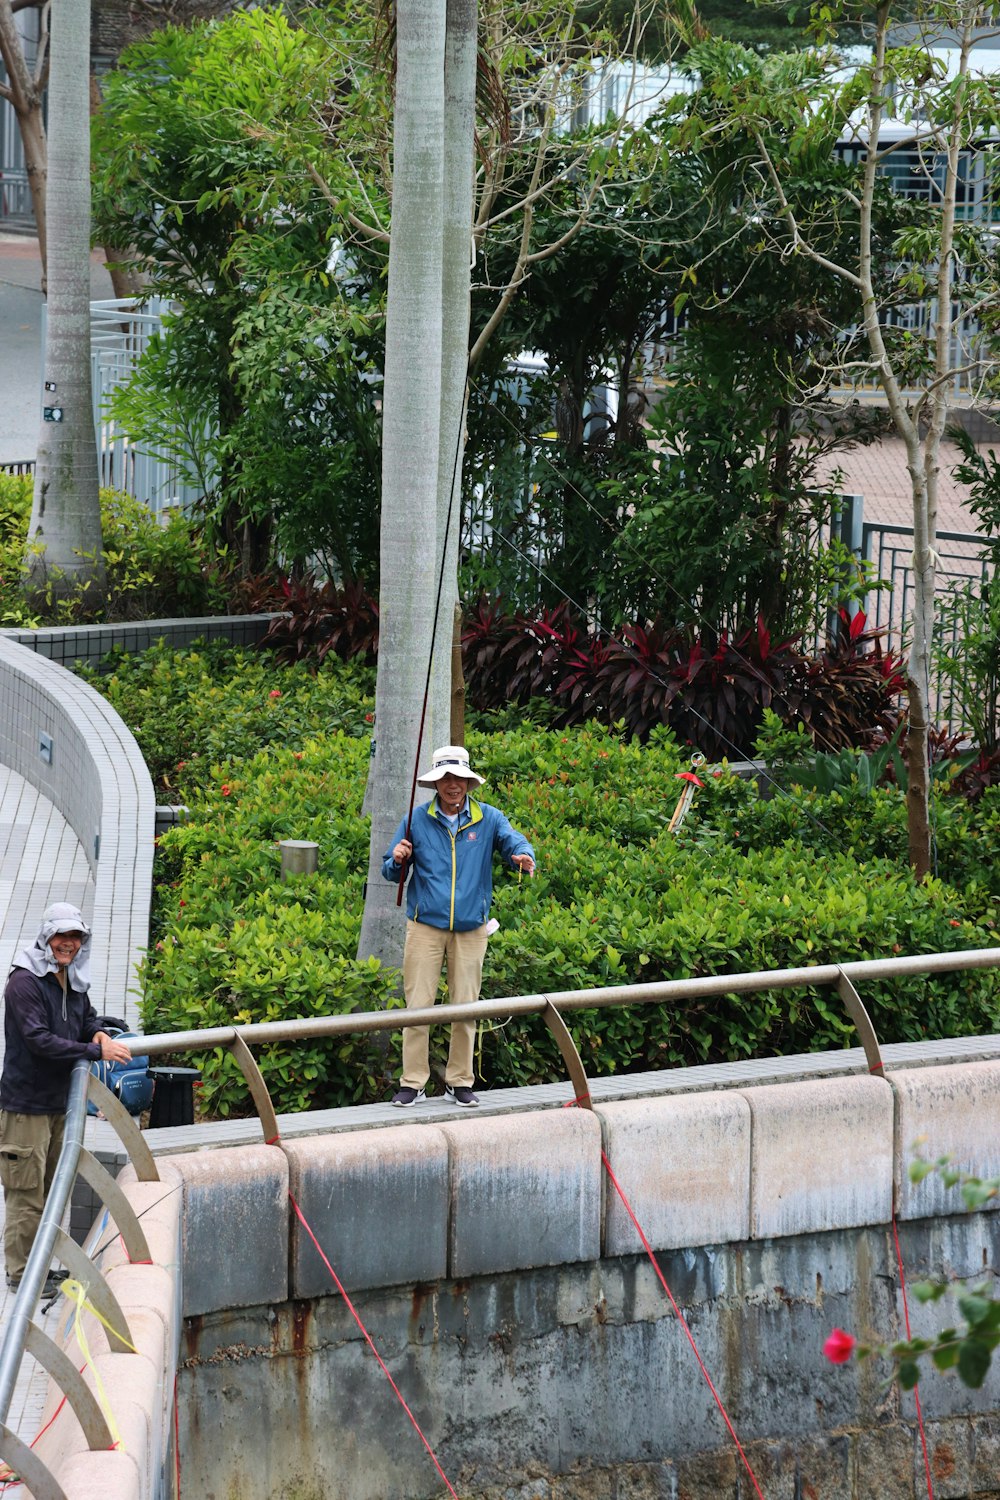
<point x="503" y="1282"/>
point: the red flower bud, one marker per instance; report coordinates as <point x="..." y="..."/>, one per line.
<point x="839" y="1347"/>
<point x="226" y="789"/>
<point x="274" y="693"/>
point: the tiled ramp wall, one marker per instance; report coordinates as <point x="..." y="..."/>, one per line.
<point x="64" y="740"/>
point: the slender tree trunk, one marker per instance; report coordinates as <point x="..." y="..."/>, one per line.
<point x="64" y="537"/>
<point x="924" y="477"/>
<point x="456" y="293"/>
<point x="411" y="409"/>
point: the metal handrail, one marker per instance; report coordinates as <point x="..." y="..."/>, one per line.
<point x="663" y="991"/>
<point x="40" y="1257"/>
<point x="50" y="1241"/>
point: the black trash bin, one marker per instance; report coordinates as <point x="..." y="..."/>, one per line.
<point x="173" y="1096"/>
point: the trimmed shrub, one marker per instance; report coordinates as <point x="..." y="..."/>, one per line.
<point x="749" y="885"/>
<point x="192" y="710"/>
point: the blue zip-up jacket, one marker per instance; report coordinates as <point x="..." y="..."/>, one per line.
<point x="451" y="877"/>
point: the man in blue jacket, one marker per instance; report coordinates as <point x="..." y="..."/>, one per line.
<point x="449" y="854"/>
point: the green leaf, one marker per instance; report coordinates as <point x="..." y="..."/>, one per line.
<point x="973" y="1362"/>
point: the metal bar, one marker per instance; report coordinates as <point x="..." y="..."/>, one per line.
<point x="257" y="1087"/>
<point x="29" y="1467"/>
<point x="125" y="1128"/>
<point x="69" y="1380"/>
<point x="113" y="1198"/>
<point x="819" y="975"/>
<point x="570" y="1056"/>
<point x="862" y="1021"/>
<point x="98" y="1293"/>
<point x="46" y="1237"/>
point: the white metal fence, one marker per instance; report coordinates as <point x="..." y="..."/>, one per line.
<point x="120" y="333"/>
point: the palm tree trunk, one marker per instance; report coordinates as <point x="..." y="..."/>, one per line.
<point x="456" y="293"/>
<point x="64" y="536"/>
<point x="411" y="410"/>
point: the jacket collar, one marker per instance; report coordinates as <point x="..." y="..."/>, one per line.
<point x="470" y="813"/>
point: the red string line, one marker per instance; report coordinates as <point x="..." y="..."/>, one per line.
<point x="368" y="1340"/>
<point x="690" y="1337"/>
<point x="13" y="1482"/>
<point x="663" y="1282"/>
<point x="916" y="1393"/>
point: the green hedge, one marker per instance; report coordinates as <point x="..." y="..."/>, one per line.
<point x="750" y="885"/>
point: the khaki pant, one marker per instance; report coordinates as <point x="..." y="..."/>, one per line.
<point x="29" y="1150"/>
<point x="425" y="951"/>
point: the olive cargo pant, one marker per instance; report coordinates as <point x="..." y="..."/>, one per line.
<point x="426" y="949"/>
<point x="29" y="1150"/>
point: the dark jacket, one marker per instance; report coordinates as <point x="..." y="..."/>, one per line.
<point x="451" y="875"/>
<point x="42" y="1045"/>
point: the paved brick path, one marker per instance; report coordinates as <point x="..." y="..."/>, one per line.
<point x="879" y="474"/>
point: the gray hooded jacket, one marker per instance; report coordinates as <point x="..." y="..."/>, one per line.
<point x="45" y="1031"/>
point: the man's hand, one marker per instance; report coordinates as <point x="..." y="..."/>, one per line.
<point x="523" y="862"/>
<point x="112" y="1050"/>
<point x="402" y="851"/>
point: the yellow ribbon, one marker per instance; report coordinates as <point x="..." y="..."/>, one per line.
<point x="77" y="1292"/>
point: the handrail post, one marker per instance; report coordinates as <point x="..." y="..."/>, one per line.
<point x="570" y="1055"/>
<point x="862" y="1023"/>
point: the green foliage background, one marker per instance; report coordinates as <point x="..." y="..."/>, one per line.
<point x="271" y="753"/>
<point x="153" y="570"/>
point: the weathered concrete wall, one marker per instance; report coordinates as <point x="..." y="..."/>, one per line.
<point x="537" y="1348"/>
<point x="577" y="1383"/>
<point x="500" y="1278"/>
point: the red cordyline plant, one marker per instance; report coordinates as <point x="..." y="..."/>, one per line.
<point x="316" y="619"/>
<point x="849" y="694"/>
<point x="711" y="693"/>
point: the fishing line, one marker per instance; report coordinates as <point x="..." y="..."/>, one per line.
<point x="404" y="864"/>
<point x="760" y="770"/>
<point x="665" y="583"/>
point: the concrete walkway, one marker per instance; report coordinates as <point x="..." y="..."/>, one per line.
<point x="41" y="861"/>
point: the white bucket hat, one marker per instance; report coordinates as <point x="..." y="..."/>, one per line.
<point x="453" y="758"/>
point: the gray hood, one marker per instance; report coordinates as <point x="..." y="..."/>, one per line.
<point x="61" y="917"/>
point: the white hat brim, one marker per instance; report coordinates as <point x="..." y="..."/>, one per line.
<point x="430" y="777"/>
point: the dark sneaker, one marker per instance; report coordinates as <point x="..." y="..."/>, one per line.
<point x="407" y="1097"/>
<point x="460" y="1095"/>
<point x="53" y="1282"/>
